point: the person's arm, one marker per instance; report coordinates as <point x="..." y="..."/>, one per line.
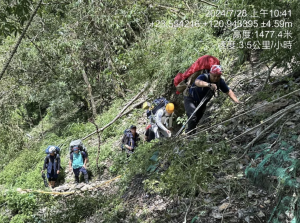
<point x="70" y="162"/>
<point x="84" y="156"/>
<point x="233" y="97"/>
<point x="127" y="141"/>
<point x="58" y="164"/>
<point x="159" y="123"/>
<point x="202" y="83"/>
<point x="85" y="161"/>
<point x="127" y="146"/>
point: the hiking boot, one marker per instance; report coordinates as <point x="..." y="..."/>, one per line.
<point x="86" y="178"/>
<point x="76" y="179"/>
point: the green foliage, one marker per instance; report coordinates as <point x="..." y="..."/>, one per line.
<point x="21" y="218"/>
<point x="10" y="11"/>
<point x="20" y="167"/>
<point x="4" y="219"/>
<point x="182" y="173"/>
<point x="118" y="47"/>
<point x="21" y="203"/>
<point x="181" y="120"/>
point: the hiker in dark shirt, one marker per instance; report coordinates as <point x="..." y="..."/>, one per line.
<point x="130" y="140"/>
<point x="198" y="91"/>
<point x="52" y="164"/>
<point x="149" y="134"/>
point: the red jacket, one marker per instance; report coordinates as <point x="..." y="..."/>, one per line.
<point x="204" y="62"/>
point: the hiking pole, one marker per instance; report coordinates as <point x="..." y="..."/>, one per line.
<point x="45" y="181"/>
<point x="207" y="96"/>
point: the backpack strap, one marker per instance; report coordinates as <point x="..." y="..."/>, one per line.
<point x="190" y="81"/>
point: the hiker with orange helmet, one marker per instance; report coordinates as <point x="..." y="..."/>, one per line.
<point x="199" y="89"/>
<point x="161" y="123"/>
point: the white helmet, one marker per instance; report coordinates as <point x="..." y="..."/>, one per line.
<point x="52" y="149"/>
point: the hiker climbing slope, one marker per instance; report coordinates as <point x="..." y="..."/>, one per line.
<point x="130" y="140"/>
<point x="52" y="164"/>
<point x="78" y="160"/>
<point x="161" y="120"/>
<point x="199" y="89"/>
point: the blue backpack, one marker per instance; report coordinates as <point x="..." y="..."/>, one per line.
<point x="56" y="156"/>
<point x="156" y="105"/>
<point x="56" y="147"/>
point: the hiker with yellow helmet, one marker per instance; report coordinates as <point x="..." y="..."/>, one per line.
<point x="160" y="116"/>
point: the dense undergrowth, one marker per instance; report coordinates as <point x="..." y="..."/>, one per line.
<point x="44" y="102"/>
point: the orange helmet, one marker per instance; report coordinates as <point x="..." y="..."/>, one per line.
<point x="170" y="108"/>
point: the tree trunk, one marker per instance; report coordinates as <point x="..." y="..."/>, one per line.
<point x="19" y="40"/>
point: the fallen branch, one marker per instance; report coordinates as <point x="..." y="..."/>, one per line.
<point x="270" y="147"/>
<point x="120" y="114"/>
<point x="283" y="80"/>
<point x="175" y="10"/>
<point x="244" y="113"/>
<point x="264" y="131"/>
<point x="266" y="120"/>
<point x="19" y="40"/>
<point x="209" y="3"/>
<point x="188" y="208"/>
<point x="189" y="7"/>
<point x="133" y="107"/>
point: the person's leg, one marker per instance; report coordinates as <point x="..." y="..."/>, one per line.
<point x="50" y="177"/>
<point x="76" y="173"/>
<point x="200" y="113"/>
<point x="85" y="174"/>
<point x="190" y="107"/>
<point x="53" y="183"/>
<point x="155" y="131"/>
<point x="53" y="180"/>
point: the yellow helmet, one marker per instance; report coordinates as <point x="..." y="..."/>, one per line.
<point x="146" y="105"/>
<point x="170" y="108"/>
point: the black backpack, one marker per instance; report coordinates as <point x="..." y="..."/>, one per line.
<point x="127" y="134"/>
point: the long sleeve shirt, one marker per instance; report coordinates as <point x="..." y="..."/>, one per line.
<point x="158" y="119"/>
<point x="52" y="162"/>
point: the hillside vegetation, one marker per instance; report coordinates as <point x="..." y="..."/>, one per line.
<point x="241" y="169"/>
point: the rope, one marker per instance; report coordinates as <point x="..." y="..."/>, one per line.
<point x="66" y="193"/>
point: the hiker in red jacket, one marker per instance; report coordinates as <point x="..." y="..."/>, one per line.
<point x="198" y="90"/>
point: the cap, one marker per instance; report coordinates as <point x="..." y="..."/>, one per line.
<point x="216" y="69"/>
<point x="75" y="148"/>
<point x="133" y="127"/>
